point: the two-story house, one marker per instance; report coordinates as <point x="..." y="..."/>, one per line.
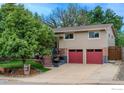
<point x="86" y="44"/>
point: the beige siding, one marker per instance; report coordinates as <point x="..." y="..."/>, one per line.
<point x="81" y="41"/>
<point x="111" y="37"/>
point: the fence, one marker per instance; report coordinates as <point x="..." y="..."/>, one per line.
<point x="115" y="53"/>
<point x="122" y="53"/>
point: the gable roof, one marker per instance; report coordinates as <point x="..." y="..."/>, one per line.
<point x="82" y="28"/>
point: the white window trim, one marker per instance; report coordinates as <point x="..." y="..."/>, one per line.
<point x="94" y="38"/>
<point x="69" y="39"/>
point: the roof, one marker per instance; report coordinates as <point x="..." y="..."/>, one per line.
<point x="82" y="28"/>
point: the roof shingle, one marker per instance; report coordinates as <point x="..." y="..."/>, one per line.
<point x="82" y="28"/>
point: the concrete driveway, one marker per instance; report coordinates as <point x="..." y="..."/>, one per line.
<point x="76" y="74"/>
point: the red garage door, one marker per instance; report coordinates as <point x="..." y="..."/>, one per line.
<point x="75" y="56"/>
<point x="94" y="56"/>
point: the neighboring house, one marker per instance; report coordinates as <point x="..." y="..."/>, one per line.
<point x="86" y="44"/>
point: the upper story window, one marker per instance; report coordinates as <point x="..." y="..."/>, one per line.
<point x="93" y="34"/>
<point x="69" y="36"/>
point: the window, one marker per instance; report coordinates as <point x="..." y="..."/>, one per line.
<point x="75" y="50"/>
<point x="93" y="35"/>
<point x="69" y="36"/>
<point x="90" y="50"/>
<point x="98" y="50"/>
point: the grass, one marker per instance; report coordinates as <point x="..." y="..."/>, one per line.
<point x="19" y="64"/>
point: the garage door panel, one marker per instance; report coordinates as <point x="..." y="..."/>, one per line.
<point x="75" y="56"/>
<point x="98" y="57"/>
<point x="72" y="57"/>
<point x="94" y="57"/>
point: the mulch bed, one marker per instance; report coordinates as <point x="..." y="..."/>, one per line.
<point x="20" y="72"/>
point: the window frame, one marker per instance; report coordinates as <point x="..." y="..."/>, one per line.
<point x="69" y="38"/>
<point x="93" y="37"/>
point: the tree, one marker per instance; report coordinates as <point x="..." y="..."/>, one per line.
<point x="120" y="39"/>
<point x="23" y="34"/>
<point x="112" y="17"/>
<point x="99" y="16"/>
<point x="38" y="17"/>
<point x="96" y="16"/>
<point x="72" y="16"/>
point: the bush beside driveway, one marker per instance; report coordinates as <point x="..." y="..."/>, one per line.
<point x="19" y="64"/>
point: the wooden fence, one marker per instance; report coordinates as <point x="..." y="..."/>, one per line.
<point x="122" y="53"/>
<point x="115" y="53"/>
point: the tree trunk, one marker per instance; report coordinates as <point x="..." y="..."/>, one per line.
<point x="23" y="59"/>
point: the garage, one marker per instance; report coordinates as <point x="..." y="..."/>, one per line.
<point x="94" y="56"/>
<point x="76" y="56"/>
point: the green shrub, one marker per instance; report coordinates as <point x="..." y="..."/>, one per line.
<point x="19" y="64"/>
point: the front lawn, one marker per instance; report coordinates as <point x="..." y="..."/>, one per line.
<point x="19" y="64"/>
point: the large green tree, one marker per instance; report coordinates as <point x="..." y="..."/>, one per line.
<point x="96" y="16"/>
<point x="22" y="34"/>
<point x="120" y="39"/>
<point x="112" y="17"/>
<point x="99" y="16"/>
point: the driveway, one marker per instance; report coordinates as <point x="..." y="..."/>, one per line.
<point x="76" y="74"/>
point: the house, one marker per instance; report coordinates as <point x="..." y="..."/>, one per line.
<point x="86" y="44"/>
